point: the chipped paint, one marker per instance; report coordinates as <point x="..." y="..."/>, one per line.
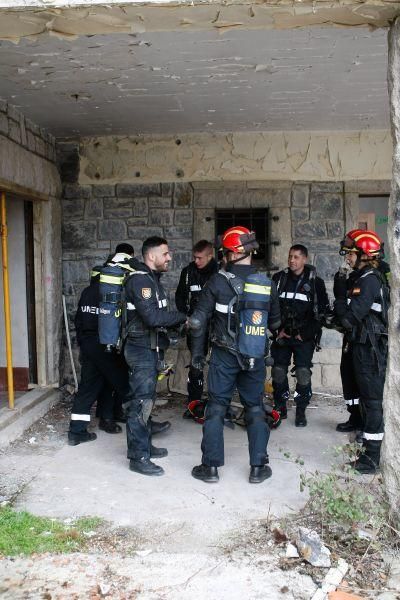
<point x="293" y="156"/>
<point x="36" y="17"/>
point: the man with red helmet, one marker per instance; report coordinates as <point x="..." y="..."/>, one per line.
<point x="361" y="307"/>
<point x="220" y="303"/>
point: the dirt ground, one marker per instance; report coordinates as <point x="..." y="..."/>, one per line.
<point x="173" y="538"/>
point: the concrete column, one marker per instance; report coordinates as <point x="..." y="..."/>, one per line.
<point x="391" y="445"/>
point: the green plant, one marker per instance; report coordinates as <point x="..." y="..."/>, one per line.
<point x="24" y="533"/>
<point x="339" y="499"/>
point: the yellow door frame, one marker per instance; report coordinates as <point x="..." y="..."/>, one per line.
<point x="6" y="293"/>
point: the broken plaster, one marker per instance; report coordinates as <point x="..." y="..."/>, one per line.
<point x="293" y="156"/>
<point x="19" y="20"/>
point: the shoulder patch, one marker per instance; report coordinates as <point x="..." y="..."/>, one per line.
<point x="146" y="293"/>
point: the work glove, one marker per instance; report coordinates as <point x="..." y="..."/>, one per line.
<point x="193" y="324"/>
<point x="198" y="362"/>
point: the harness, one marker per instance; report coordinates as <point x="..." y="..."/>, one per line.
<point x="312" y="292"/>
<point x="128" y="327"/>
<point x="249" y="308"/>
<point x="374" y="325"/>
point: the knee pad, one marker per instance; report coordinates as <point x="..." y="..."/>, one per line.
<point x="278" y="374"/>
<point x="303" y="376"/>
<point x="215" y="411"/>
<point x="145" y="409"/>
<point x="254" y="414"/>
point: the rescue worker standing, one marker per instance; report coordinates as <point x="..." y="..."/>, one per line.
<point x="147" y="318"/>
<point x="361" y="307"/>
<point x="192" y="280"/>
<point x="219" y="303"/>
<point x="303" y="300"/>
<point x="98" y="368"/>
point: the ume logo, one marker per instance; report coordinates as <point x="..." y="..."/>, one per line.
<point x="253" y="330"/>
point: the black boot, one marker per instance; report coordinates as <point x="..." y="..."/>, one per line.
<point x="144" y="466"/>
<point x="346" y="427"/>
<point x="355" y="420"/>
<point x="158" y="452"/>
<point x="109" y="426"/>
<point x="159" y="427"/>
<point x="259" y="474"/>
<point x="368" y="462"/>
<point x="78" y="438"/>
<point x="205" y="473"/>
<point x="300" y="419"/>
<point x="120" y="416"/>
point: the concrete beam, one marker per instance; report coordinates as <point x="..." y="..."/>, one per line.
<point x="89" y="18"/>
<point x="254" y="156"/>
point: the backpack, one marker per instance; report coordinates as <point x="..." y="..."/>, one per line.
<point x="111" y="288"/>
<point x="252" y="299"/>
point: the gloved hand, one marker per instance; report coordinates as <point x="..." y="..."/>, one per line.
<point x="198" y="362"/>
<point x="340" y="285"/>
<point x="268" y="361"/>
<point x="193" y="323"/>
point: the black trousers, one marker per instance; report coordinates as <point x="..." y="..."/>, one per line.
<point x="195" y="381"/>
<point x="369" y="374"/>
<point x="142" y="364"/>
<point x="351" y="391"/>
<point x="282" y="353"/>
<point x="224" y="375"/>
<point x="99" y="368"/>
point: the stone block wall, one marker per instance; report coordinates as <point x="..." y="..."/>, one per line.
<point x="16" y="127"/>
<point x="97" y="217"/>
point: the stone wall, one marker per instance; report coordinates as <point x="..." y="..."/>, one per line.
<point x="97" y="217"/>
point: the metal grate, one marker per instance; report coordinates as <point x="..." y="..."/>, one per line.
<point x="256" y="219"/>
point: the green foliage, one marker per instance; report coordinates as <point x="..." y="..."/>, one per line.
<point x="340" y="500"/>
<point x="24" y="533"/>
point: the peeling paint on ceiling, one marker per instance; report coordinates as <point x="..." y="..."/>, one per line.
<point x="39" y="17"/>
<point x="319" y="78"/>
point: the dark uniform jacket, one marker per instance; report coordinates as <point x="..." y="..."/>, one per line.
<point x="363" y="310"/>
<point x="191" y="282"/>
<point x="87" y="315"/>
<point x="147" y="308"/>
<point x="303" y="300"/>
<point x="213" y="304"/>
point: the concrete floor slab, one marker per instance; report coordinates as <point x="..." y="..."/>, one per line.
<point x="176" y="510"/>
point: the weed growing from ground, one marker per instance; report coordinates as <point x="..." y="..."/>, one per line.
<point x="24" y="533"/>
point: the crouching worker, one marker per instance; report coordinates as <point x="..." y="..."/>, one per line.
<point x="240" y="304"/>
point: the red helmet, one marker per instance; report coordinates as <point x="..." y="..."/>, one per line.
<point x="364" y="242"/>
<point x="239" y="239"/>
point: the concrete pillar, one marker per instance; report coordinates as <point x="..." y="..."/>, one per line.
<point x="391" y="444"/>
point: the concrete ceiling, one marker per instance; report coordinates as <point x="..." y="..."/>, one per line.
<point x="321" y="78"/>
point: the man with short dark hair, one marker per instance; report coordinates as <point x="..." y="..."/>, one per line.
<point x="303" y="300"/>
<point x="192" y="280"/>
<point x="147" y="320"/>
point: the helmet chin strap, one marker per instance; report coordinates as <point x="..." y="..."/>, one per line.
<point x="236" y="260"/>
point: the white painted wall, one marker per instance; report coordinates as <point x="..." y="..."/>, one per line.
<point x="16" y="255"/>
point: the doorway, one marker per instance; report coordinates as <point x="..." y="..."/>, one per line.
<point x="22" y="295"/>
